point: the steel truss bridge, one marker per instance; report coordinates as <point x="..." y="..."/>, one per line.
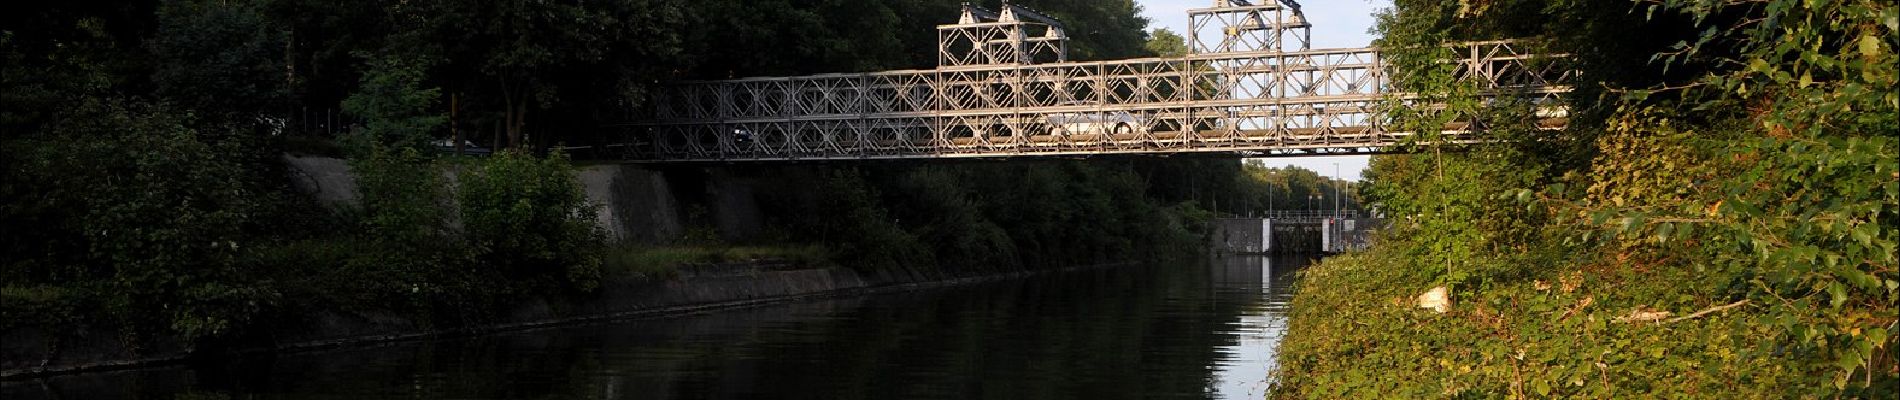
<point x="1004" y="87"/>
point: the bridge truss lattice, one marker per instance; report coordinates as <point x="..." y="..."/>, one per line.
<point x="1005" y="88"/>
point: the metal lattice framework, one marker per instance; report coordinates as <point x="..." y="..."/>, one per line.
<point x="1004" y="88"/>
<point x="1016" y="35"/>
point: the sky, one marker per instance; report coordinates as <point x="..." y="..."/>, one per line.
<point x="1336" y="24"/>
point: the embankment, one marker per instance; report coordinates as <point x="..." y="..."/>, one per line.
<point x="635" y="206"/>
<point x="31" y="352"/>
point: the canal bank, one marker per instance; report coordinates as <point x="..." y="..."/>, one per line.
<point x="344" y="271"/>
<point x="30" y="352"/>
<point x="1177" y="330"/>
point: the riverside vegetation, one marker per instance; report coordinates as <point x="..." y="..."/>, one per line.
<point x="1719" y="221"/>
<point x="146" y="198"/>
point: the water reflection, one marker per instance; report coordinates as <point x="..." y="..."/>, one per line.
<point x="1243" y="373"/>
<point x="1169" y="331"/>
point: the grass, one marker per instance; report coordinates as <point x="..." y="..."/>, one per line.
<point x="664" y="261"/>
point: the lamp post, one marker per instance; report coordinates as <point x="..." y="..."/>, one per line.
<point x="1337" y="193"/>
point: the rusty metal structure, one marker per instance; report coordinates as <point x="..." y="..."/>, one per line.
<point x="1004" y="87"/>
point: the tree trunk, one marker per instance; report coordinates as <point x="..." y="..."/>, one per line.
<point x="515" y="98"/>
<point x="455" y="133"/>
<point x="520" y="122"/>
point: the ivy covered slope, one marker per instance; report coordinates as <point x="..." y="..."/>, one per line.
<point x="1718" y="221"/>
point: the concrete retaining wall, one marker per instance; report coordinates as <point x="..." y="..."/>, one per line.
<point x="329" y="180"/>
<point x="635" y="204"/>
<point x="1241" y="235"/>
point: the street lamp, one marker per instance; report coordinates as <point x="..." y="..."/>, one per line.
<point x="1337" y="194"/>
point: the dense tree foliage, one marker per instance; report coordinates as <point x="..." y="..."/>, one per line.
<point x="1164" y="42"/>
<point x="1718" y="221"/>
<point x="394" y="107"/>
<point x="731" y="39"/>
<point x="963" y="219"/>
<point x="145" y="194"/>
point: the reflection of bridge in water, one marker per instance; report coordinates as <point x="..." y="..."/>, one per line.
<point x="1004" y="87"/>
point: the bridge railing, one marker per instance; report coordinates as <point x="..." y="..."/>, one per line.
<point x="1306" y="214"/>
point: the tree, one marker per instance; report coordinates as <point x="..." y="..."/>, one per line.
<point x="1164" y="42"/>
<point x="527" y="54"/>
<point x="528" y="219"/>
<point x="140" y="212"/>
<point x="223" y="60"/>
<point x="1099" y="29"/>
<point x="397" y="111"/>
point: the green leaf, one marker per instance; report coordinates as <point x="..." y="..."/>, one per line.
<point x="1860" y="279"/>
<point x="1758" y="65"/>
<point x="1837" y="293"/>
<point x="1864" y="234"/>
<point x="1869" y="46"/>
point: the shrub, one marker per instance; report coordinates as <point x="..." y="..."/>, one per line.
<point x="134" y="208"/>
<point x="528" y="219"/>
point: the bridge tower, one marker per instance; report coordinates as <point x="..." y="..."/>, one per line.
<point x="1015" y="35"/>
<point x="1246" y="44"/>
<point x="1241" y="26"/>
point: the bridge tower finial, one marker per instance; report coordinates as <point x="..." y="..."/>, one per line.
<point x="1015" y="35"/>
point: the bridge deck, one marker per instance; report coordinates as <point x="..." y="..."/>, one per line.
<point x="1258" y="143"/>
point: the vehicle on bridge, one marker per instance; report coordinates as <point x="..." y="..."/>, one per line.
<point x="447" y="146"/>
<point x="1089" y="125"/>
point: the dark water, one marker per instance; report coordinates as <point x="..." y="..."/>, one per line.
<point x="1168" y="331"/>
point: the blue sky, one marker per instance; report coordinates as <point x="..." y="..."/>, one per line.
<point x="1336" y="23"/>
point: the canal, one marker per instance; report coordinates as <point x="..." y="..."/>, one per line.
<point x="1191" y="330"/>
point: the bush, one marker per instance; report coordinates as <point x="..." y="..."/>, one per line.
<point x="663" y="262"/>
<point x="134" y="208"/>
<point x="413" y="260"/>
<point x="528" y="219"/>
<point x="1731" y="237"/>
<point x="38" y="306"/>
